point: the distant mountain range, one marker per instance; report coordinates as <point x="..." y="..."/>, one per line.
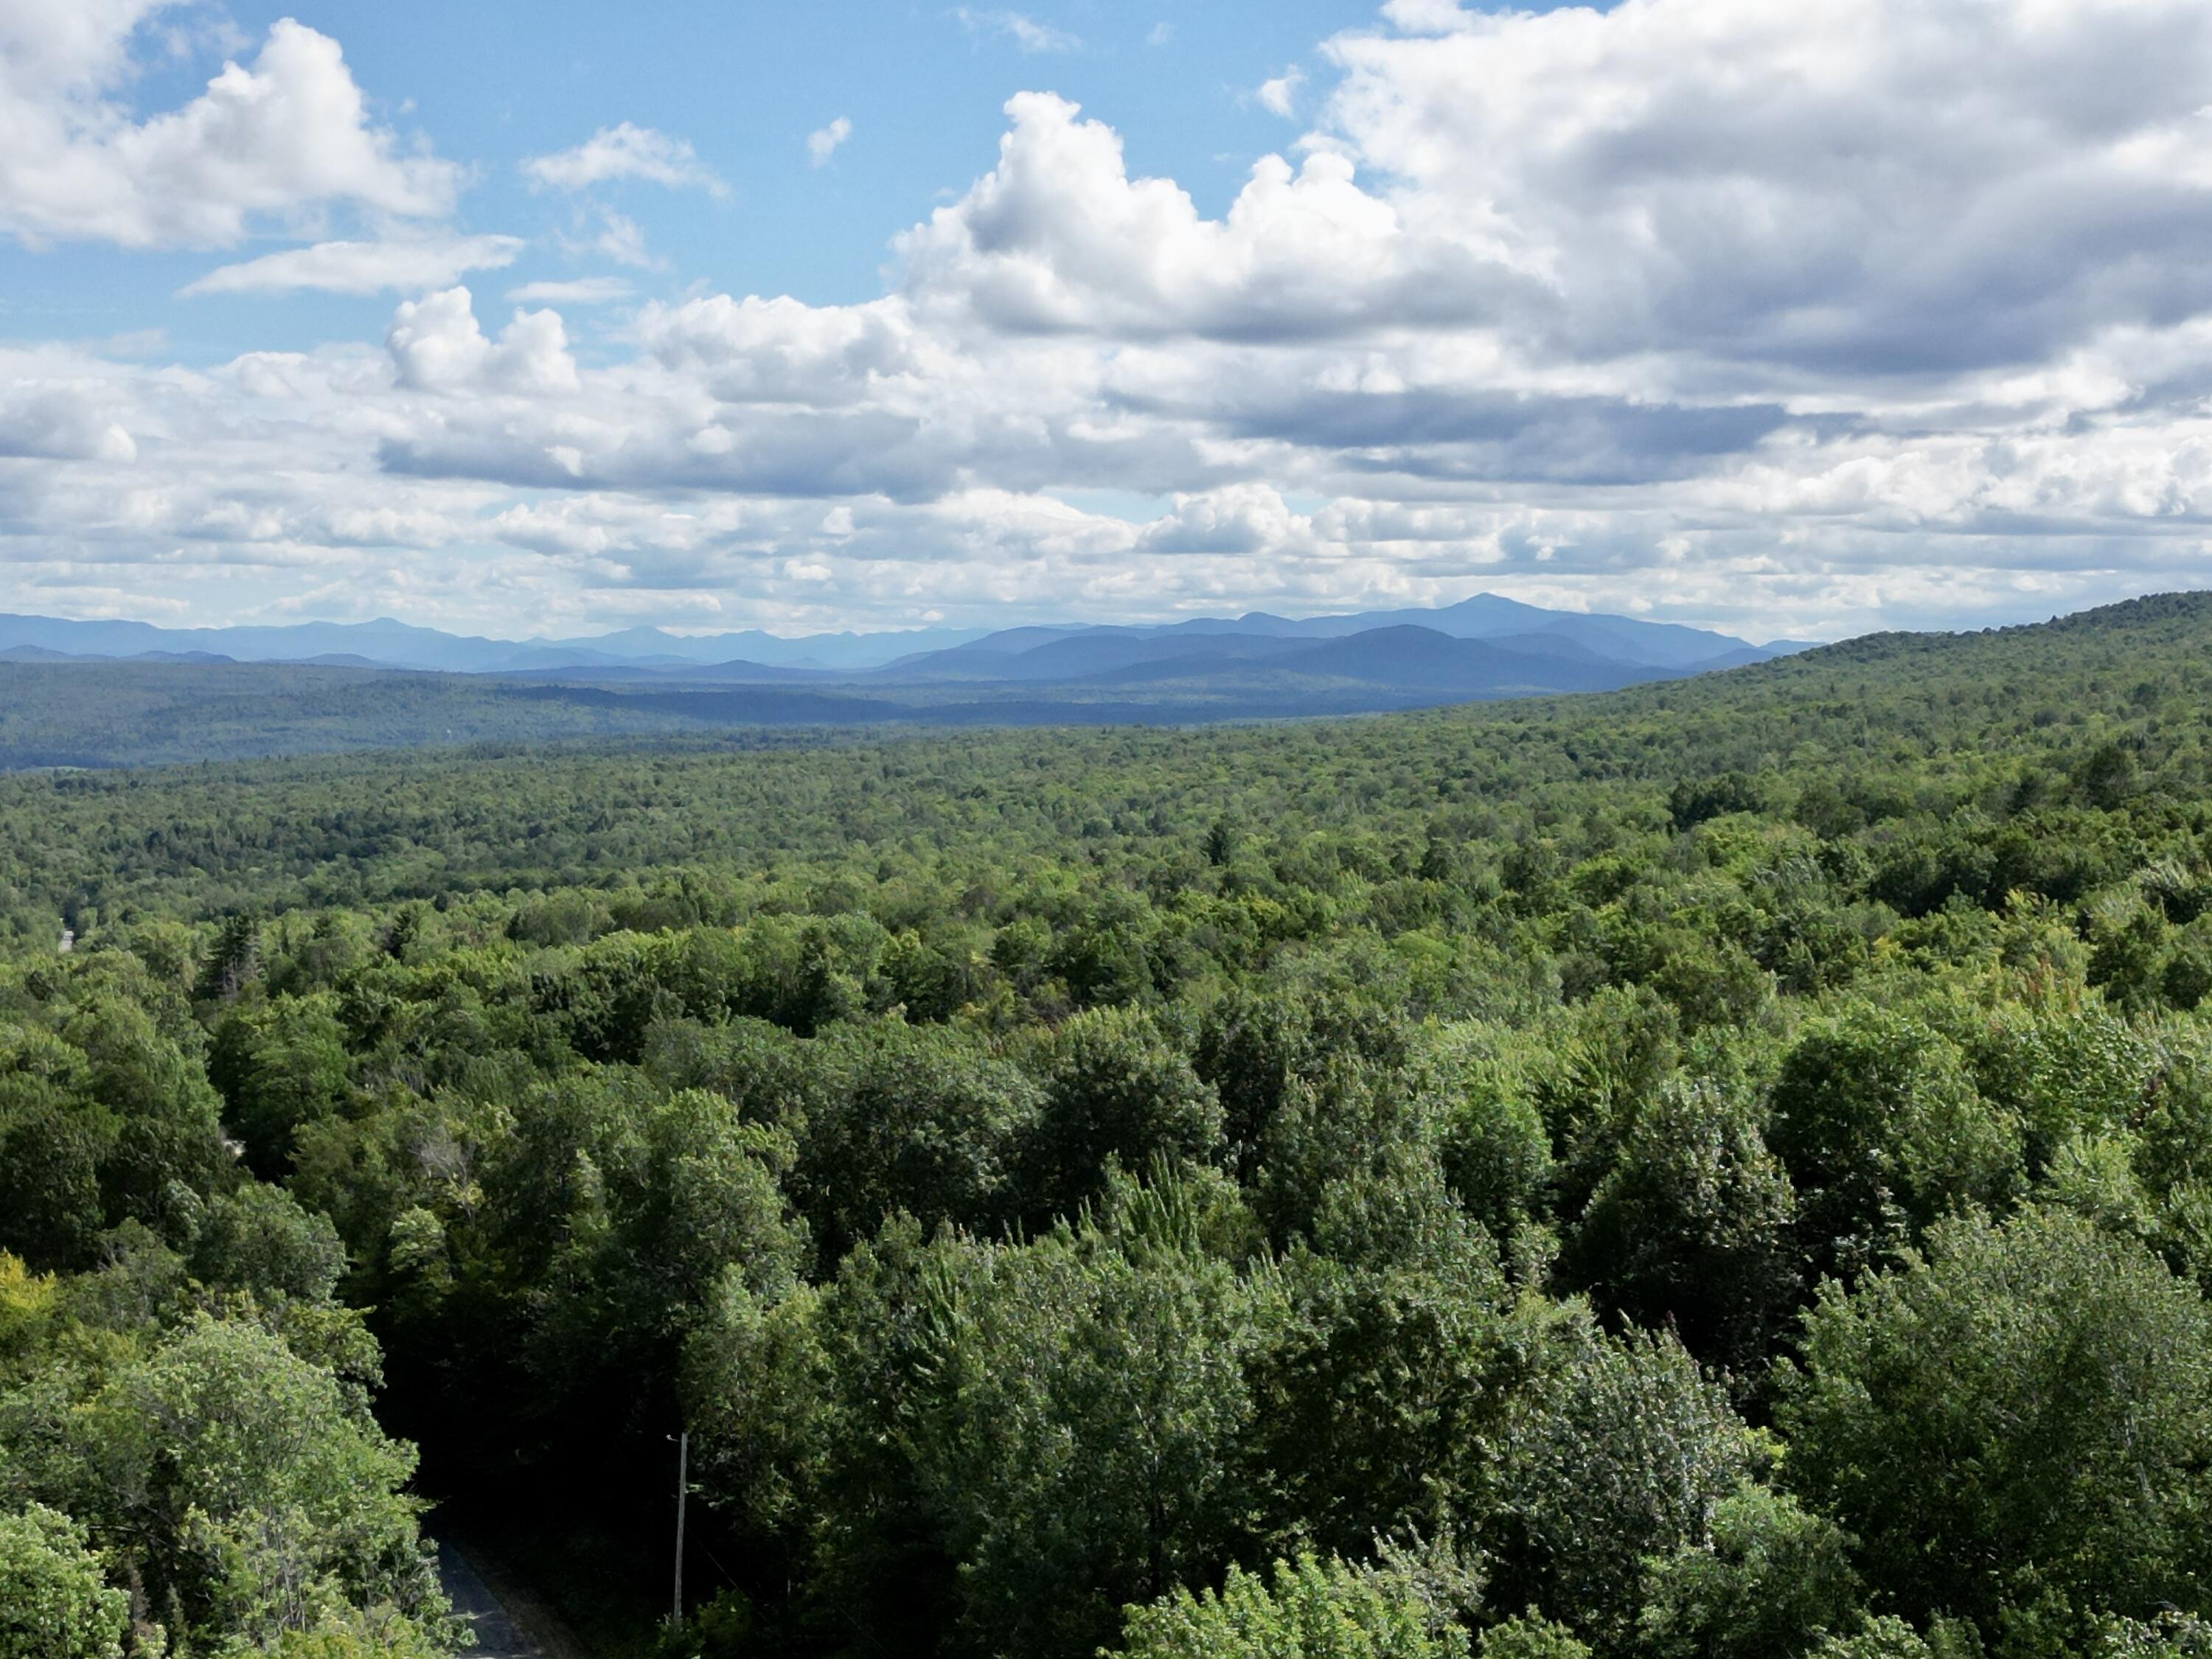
<point x="1483" y="646"/>
<point x="388" y="644"/>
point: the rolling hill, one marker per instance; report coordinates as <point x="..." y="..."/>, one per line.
<point x="911" y="656"/>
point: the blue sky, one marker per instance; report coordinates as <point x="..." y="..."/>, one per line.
<point x="1791" y="321"/>
<point x="746" y="84"/>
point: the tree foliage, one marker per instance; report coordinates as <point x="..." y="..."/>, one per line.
<point x="1723" y="1168"/>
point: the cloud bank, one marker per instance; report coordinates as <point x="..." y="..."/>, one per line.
<point x="1794" y="320"/>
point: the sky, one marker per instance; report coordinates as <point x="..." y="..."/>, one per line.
<point x="1795" y="320"/>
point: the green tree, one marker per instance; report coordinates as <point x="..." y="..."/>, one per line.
<point x="1769" y="1582"/>
<point x="169" y="1130"/>
<point x="2172" y="1635"/>
<point x="53" y="1142"/>
<point x="1532" y="1636"/>
<point x="55" y="1602"/>
<point x="1382" y="1403"/>
<point x="1352" y="1164"/>
<point x="259" y="1239"/>
<point x="1877" y="1120"/>
<point x="102" y="1120"/>
<point x="235" y="961"/>
<point x="1257" y="1042"/>
<point x="279" y="1066"/>
<point x="1010" y="1441"/>
<point x="1884" y="1637"/>
<point x="2024" y="1411"/>
<point x="251" y="1495"/>
<point x="925" y="1120"/>
<point x="1082" y="1427"/>
<point x="1693" y="1228"/>
<point x="1624" y="1454"/>
<point x="1496" y="1155"/>
<point x="1308" y="1609"/>
<point x="1609" y="1056"/>
<point x="1113" y="1088"/>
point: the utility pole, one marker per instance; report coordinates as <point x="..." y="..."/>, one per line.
<point x="683" y="1487"/>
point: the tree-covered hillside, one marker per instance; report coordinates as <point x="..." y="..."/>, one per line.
<point x="1718" y="1169"/>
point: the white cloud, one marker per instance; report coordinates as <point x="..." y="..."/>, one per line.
<point x="821" y="143"/>
<point x="71" y="419"/>
<point x="754" y="350"/>
<point x="577" y="291"/>
<point x="1428" y="16"/>
<point x="1248" y="517"/>
<point x="1058" y="237"/>
<point x="437" y="346"/>
<point x="621" y="239"/>
<point x="1026" y="32"/>
<point x="362" y="267"/>
<point x="617" y="153"/>
<point x="1862" y="313"/>
<point x="272" y="140"/>
<point x="1279" y="95"/>
<point x="612" y="156"/>
<point x="1160" y="34"/>
<point x="1833" y="188"/>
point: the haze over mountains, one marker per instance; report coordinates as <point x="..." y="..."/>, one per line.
<point x="97" y="693"/>
<point x="1484" y="646"/>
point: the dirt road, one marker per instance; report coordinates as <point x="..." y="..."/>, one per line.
<point x="509" y="1623"/>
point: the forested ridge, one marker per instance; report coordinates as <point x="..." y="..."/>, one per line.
<point x="1718" y="1169"/>
<point x="180" y="700"/>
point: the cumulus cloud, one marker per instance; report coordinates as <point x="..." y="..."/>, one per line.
<point x="437" y="346"/>
<point x="625" y="151"/>
<point x="361" y="267"/>
<point x="821" y="143"/>
<point x="1865" y="311"/>
<point x="272" y="140"/>
<point x="1850" y="187"/>
<point x="756" y="350"/>
<point x="1841" y="187"/>
<point x="1059" y="238"/>
<point x="1248" y="517"/>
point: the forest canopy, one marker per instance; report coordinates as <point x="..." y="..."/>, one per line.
<point x="1718" y="1169"/>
